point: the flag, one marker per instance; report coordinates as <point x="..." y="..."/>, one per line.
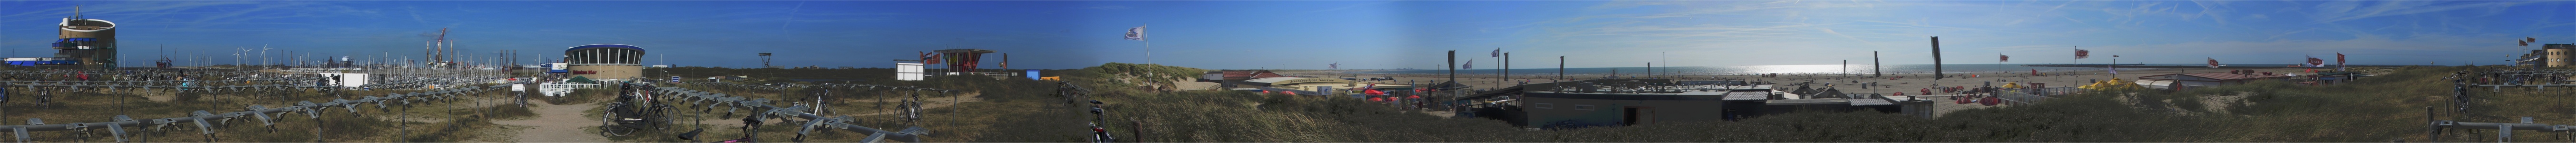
<point x="2529" y="39"/>
<point x="2213" y="62"/>
<point x="2081" y="53"/>
<point x="1339" y="66"/>
<point x="2114" y="68"/>
<point x="1137" y="33"/>
<point x="2005" y="58"/>
<point x="1498" y="52"/>
<point x="2314" y="62"/>
<point x="1471" y="64"/>
<point x="2338" y="60"/>
<point x="2033" y="72"/>
<point x="2523" y="43"/>
<point x="929" y="58"/>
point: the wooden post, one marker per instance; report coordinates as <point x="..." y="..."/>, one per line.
<point x="1139" y="129"/>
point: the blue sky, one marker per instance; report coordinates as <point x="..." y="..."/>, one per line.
<point x="1358" y="34"/>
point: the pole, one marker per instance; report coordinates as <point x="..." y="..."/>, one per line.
<point x="1873" y="65"/>
<point x="1453" y="66"/>
<point x="1507" y="67"/>
<point x="1149" y="46"/>
<point x="1936" y="59"/>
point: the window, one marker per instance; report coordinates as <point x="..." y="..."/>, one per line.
<point x="1583" y="107"/>
<point x="1545" y="106"/>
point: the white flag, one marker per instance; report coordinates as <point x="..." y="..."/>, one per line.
<point x="1471" y="64"/>
<point x="1137" y="33"/>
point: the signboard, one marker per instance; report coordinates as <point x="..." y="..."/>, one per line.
<point x="557" y="68"/>
<point x="675" y="79"/>
<point x="518" y="87"/>
<point x="908" y="71"/>
<point x="1033" y="74"/>
<point x="1324" y="90"/>
<point x="348" y="79"/>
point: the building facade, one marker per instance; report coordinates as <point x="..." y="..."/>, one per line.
<point x="605" y="61"/>
<point x="2549" y="55"/>
<point x="90" y="42"/>
<point x="2557" y="55"/>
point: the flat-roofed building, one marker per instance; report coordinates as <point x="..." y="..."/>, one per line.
<point x="605" y="61"/>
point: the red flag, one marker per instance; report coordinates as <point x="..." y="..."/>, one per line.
<point x="2034" y="72"/>
<point x="2081" y="53"/>
<point x="2338" y="58"/>
<point x="929" y="58"/>
<point x="2529" y="39"/>
<point x="2213" y="62"/>
<point x="2005" y="58"/>
<point x="2314" y="62"/>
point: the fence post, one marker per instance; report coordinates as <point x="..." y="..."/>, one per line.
<point x="1139" y="129"/>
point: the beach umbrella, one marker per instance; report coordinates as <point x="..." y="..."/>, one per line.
<point x="1991" y="101"/>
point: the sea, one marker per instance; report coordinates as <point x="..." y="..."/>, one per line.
<point x="1791" y="69"/>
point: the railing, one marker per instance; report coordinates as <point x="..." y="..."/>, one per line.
<point x="812" y="121"/>
<point x="2031" y="96"/>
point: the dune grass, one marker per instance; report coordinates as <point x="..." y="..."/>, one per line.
<point x="371" y="124"/>
<point x="2376" y="109"/>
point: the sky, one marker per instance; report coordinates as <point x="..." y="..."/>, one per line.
<point x="1315" y="34"/>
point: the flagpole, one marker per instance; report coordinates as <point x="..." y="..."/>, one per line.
<point x="1149" y="49"/>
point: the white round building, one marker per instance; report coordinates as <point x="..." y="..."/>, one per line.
<point x="605" y="61"/>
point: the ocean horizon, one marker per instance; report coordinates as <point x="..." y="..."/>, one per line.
<point x="1795" y="69"/>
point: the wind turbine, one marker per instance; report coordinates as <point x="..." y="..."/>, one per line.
<point x="237" y="57"/>
<point x="263" y="56"/>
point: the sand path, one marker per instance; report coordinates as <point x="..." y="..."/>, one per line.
<point x="557" y="123"/>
